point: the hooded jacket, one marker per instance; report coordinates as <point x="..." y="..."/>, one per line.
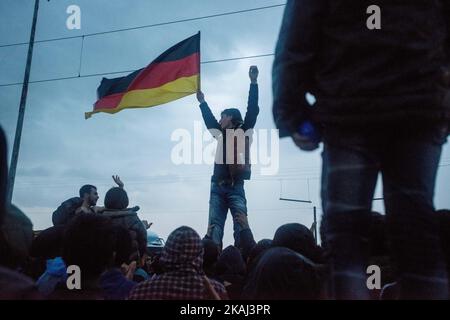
<point x="300" y="239"/>
<point x="282" y="274"/>
<point x="231" y="271"/>
<point x="129" y="219"/>
<point x="183" y="276"/>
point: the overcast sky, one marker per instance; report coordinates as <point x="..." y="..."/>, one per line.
<point x="60" y="150"/>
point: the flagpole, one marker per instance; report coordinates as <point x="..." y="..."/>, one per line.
<point x="199" y="63"/>
<point x="23" y="100"/>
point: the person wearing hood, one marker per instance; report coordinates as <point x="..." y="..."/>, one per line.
<point x="257" y="252"/>
<point x="230" y="271"/>
<point x="299" y="238"/>
<point x="183" y="277"/>
<point x="283" y="274"/>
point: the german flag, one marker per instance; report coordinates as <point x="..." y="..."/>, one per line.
<point x="171" y="76"/>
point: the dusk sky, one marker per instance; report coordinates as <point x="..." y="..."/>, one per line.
<point x="61" y="151"/>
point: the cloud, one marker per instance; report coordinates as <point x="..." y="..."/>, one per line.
<point x="60" y="150"/>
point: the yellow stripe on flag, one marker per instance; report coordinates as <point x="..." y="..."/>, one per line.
<point x="144" y="98"/>
<point x="168" y="92"/>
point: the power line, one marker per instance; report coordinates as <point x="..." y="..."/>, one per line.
<point x="240" y="58"/>
<point x="149" y="212"/>
<point x="173" y="177"/>
<point x="148" y="25"/>
<point x="49" y="185"/>
<point x="200" y="176"/>
<point x="289" y="171"/>
<point x="128" y="71"/>
<point x="62" y="182"/>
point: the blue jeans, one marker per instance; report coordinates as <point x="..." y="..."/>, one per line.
<point x="225" y="196"/>
<point x="408" y="161"/>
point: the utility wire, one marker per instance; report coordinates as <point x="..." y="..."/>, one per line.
<point x="128" y="71"/>
<point x="134" y="28"/>
<point x="48" y="185"/>
<point x="148" y="25"/>
<point x="81" y="56"/>
<point x="149" y="212"/>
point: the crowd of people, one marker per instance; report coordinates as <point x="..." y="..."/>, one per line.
<point x="382" y="107"/>
<point x="109" y="246"/>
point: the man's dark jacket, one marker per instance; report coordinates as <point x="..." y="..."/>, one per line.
<point x="357" y="75"/>
<point x="223" y="171"/>
<point x="129" y="219"/>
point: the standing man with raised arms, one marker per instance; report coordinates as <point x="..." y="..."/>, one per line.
<point x="232" y="164"/>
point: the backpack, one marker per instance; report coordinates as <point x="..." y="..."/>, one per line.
<point x="66" y="211"/>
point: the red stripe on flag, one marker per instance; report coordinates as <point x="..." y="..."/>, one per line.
<point x="109" y="102"/>
<point x="155" y="75"/>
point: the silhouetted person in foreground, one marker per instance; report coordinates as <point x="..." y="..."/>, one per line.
<point x="89" y="243"/>
<point x="283" y="274"/>
<point x="298" y="238"/>
<point x="382" y="106"/>
<point x="116" y="282"/>
<point x="15" y="242"/>
<point x="230" y="270"/>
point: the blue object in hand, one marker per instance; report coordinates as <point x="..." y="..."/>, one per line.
<point x="309" y="130"/>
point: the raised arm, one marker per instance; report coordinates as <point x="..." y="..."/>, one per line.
<point x="293" y="66"/>
<point x="208" y="117"/>
<point x="252" y="104"/>
<point x="119" y="182"/>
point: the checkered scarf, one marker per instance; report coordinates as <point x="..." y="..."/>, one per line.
<point x="182" y="260"/>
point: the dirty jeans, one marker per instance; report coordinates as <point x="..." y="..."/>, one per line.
<point x="225" y="196"/>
